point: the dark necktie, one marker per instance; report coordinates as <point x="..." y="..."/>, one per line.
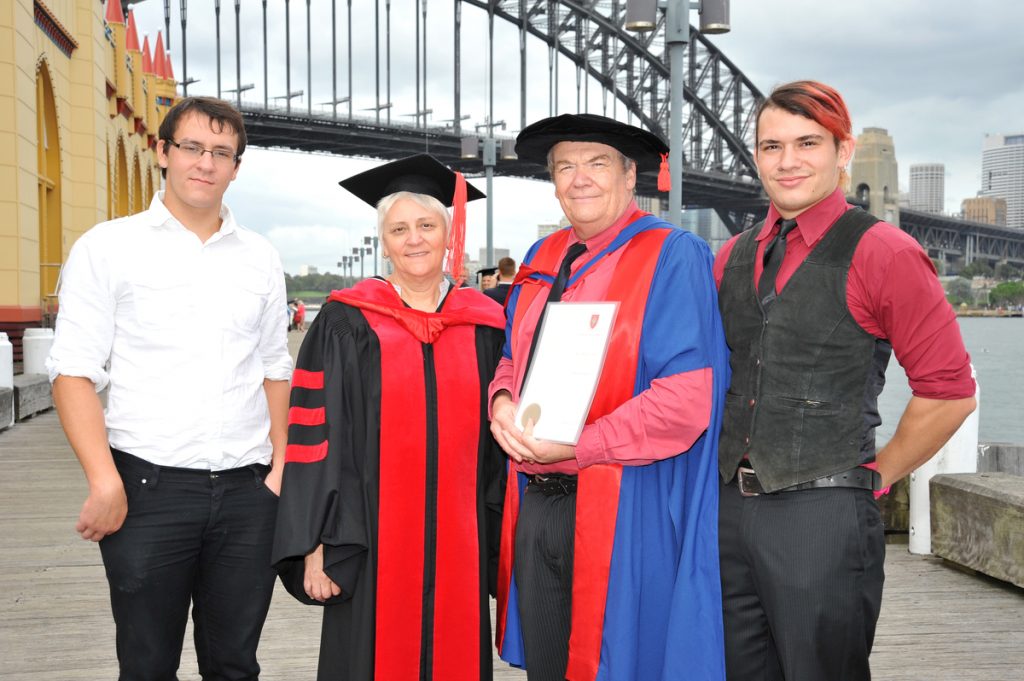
<point x="555" y="294"/>
<point x="772" y="261"/>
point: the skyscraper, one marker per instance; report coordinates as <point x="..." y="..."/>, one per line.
<point x="927" y="187"/>
<point x="1002" y="174"/>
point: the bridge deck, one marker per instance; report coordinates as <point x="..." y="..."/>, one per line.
<point x="937" y="622"/>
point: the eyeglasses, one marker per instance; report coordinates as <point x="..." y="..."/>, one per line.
<point x="195" y="152"/>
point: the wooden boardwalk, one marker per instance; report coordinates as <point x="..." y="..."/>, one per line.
<point x="937" y="622"/>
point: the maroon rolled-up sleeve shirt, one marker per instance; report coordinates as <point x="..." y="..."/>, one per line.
<point x="892" y="292"/>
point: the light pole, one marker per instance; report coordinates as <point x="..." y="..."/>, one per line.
<point x="183" y="7"/>
<point x="239" y="90"/>
<point x="472" y="146"/>
<point x="374" y="242"/>
<point x="289" y="97"/>
<point x="216" y="10"/>
<point x="346" y="265"/>
<point x="641" y="15"/>
<point x="356" y="253"/>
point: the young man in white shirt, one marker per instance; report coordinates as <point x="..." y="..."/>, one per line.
<point x="184" y="465"/>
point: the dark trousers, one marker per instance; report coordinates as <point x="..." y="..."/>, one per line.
<point x="198" y="537"/>
<point x="545" y="539"/>
<point x="802" y="577"/>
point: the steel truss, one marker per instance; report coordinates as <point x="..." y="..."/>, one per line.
<point x="951" y="238"/>
<point x="631" y="68"/>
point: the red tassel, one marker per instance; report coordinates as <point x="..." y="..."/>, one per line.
<point x="664" y="176"/>
<point x="457" y="233"/>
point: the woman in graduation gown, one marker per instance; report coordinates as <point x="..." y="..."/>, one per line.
<point x="391" y="500"/>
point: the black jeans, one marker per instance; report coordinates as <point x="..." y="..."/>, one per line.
<point x="802" y="576"/>
<point x="191" y="536"/>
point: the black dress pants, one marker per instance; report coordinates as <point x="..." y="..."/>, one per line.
<point x="802" y="576"/>
<point x="545" y="541"/>
<point x="191" y="537"/>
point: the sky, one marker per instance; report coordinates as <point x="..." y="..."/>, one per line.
<point x="938" y="75"/>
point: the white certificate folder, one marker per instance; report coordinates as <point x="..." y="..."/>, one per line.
<point x="567" y="364"/>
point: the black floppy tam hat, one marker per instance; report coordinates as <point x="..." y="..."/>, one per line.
<point x="420" y="174"/>
<point x="536" y="139"/>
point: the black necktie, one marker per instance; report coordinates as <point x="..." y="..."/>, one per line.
<point x="772" y="261"/>
<point x="555" y="294"/>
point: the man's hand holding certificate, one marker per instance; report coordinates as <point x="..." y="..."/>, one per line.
<point x="567" y="363"/>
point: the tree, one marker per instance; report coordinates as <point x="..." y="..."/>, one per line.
<point x="978" y="268"/>
<point x="1008" y="293"/>
<point x="321" y="283"/>
<point x="1007" y="272"/>
<point x="959" y="291"/>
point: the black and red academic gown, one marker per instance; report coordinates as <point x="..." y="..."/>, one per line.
<point x="391" y="466"/>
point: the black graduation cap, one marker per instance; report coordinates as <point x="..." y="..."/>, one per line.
<point x="421" y="174"/>
<point x="536" y="139"/>
<point x="485" y="272"/>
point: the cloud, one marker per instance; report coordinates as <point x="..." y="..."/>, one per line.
<point x="294" y="200"/>
<point x="936" y="74"/>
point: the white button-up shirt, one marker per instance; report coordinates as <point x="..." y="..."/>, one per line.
<point x="183" y="332"/>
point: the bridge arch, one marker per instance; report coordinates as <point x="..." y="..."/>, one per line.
<point x="633" y="67"/>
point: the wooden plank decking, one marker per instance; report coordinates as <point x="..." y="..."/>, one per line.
<point x="937" y="622"/>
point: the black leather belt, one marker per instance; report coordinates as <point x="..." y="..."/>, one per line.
<point x="859" y="478"/>
<point x="555" y="484"/>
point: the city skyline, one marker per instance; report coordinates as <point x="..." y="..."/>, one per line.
<point x="1002" y="169"/>
<point x="936" y="76"/>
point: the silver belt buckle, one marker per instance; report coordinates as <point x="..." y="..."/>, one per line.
<point x="747" y="481"/>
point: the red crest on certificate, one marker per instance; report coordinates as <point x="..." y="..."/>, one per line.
<point x="594" y="318"/>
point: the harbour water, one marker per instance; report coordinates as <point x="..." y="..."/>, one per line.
<point x="996" y="347"/>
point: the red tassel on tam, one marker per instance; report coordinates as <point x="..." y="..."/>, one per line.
<point x="664" y="176"/>
<point x="457" y="233"/>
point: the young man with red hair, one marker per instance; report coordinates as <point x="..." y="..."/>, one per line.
<point x="814" y="301"/>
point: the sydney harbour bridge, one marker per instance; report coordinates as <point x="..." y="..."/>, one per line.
<point x="361" y="78"/>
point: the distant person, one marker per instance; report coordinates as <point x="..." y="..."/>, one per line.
<point x="610" y="549"/>
<point x="391" y="505"/>
<point x="814" y="299"/>
<point x="291" y="314"/>
<point x="487" y="277"/>
<point x="300" y="315"/>
<point x="506" y="274"/>
<point x="185" y="464"/>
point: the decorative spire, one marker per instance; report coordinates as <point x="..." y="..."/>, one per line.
<point x="147" y="60"/>
<point x="115" y="15"/>
<point x="132" y="39"/>
<point x="158" y="56"/>
<point x="168" y="68"/>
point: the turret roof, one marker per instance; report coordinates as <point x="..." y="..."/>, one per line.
<point x="115" y="15"/>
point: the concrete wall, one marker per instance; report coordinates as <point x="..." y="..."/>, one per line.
<point x="999" y="457"/>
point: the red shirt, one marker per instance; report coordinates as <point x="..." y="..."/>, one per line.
<point x="892" y="293"/>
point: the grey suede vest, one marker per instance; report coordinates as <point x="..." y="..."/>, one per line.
<point x="803" y="401"/>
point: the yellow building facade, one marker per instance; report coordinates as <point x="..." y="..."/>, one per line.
<point x="80" y="105"/>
